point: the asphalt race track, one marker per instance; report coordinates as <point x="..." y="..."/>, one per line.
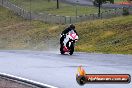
<point x="90" y="3"/>
<point x="59" y="70"/>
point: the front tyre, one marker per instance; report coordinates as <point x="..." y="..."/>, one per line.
<point x="62" y="52"/>
<point x="71" y="48"/>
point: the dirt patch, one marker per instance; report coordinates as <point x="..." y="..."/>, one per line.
<point x="8" y="83"/>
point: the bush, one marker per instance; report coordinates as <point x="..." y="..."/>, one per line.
<point x="125" y="11"/>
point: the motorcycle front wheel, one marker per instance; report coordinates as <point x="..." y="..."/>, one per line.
<point x="61" y="49"/>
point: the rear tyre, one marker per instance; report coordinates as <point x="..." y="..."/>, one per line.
<point x="71" y="49"/>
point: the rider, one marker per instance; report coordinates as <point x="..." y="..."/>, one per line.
<point x="71" y="27"/>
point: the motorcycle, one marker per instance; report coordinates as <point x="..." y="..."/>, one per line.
<point x="69" y="43"/>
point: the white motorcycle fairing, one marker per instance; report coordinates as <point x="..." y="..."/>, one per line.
<point x="70" y="36"/>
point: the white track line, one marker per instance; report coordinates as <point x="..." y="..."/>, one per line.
<point x="27" y="80"/>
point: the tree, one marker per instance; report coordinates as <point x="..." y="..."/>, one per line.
<point x="98" y="3"/>
<point x="57" y="4"/>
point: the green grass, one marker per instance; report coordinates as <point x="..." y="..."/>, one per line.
<point x="16" y="33"/>
<point x="41" y="6"/>
<point x="119" y="1"/>
<point x="106" y="36"/>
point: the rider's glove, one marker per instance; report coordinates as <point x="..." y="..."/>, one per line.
<point x="62" y="35"/>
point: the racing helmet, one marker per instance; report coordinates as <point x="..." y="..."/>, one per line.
<point x="72" y="26"/>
